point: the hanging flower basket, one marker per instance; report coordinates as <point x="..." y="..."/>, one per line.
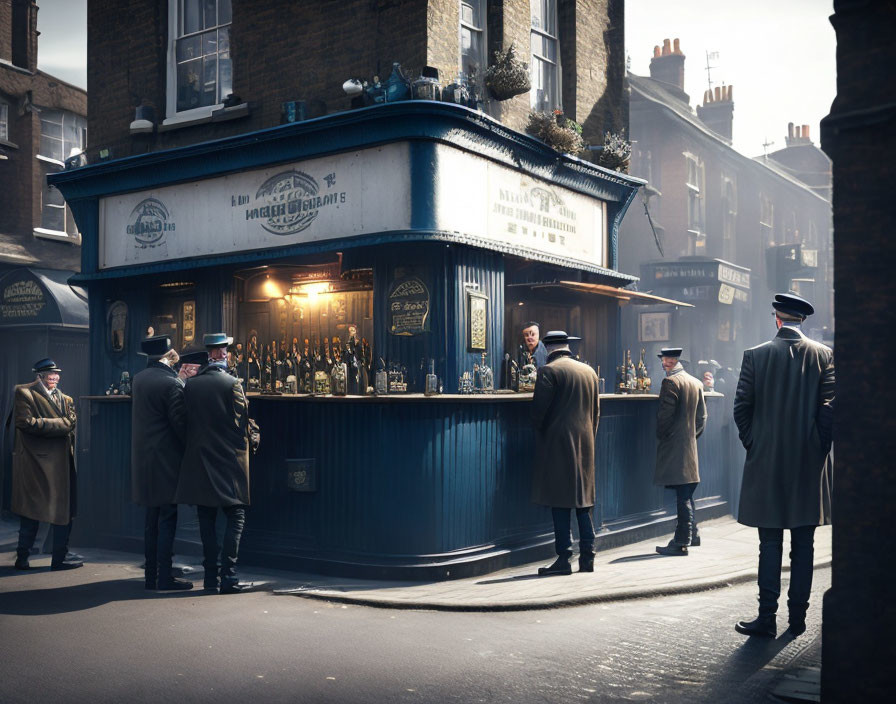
<point x="565" y="138"/>
<point x="616" y="152"/>
<point x="507" y="76"/>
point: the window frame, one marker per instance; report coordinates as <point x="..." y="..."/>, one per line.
<point x="172" y="115"/>
<point x="534" y="58"/>
<point x="4" y="121"/>
<point x="481" y="32"/>
<point x="696" y="225"/>
<point x="65" y="115"/>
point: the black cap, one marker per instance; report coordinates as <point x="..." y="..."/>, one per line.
<point x="791" y="304"/>
<point x="194" y="356"/>
<point x="670" y="352"/>
<point x="44" y="366"/>
<point x="558" y="337"/>
<point x="155" y="346"/>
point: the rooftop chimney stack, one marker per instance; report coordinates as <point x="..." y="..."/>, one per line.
<point x="717" y="111"/>
<point x="18" y="33"/>
<point x="797" y="135"/>
<point x="667" y="65"/>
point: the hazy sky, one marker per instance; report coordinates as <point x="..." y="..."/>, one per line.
<point x="778" y="54"/>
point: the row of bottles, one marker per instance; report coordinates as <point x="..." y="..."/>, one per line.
<point x="631" y="379"/>
<point x="323" y="366"/>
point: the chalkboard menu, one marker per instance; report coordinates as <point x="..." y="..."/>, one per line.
<point x="408" y="307"/>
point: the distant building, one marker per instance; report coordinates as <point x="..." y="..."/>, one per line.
<point x="733" y="230"/>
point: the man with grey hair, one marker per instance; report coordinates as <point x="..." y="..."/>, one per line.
<point x="784" y="407"/>
<point x="565" y="413"/>
<point x="158" y="430"/>
<point x="44" y="484"/>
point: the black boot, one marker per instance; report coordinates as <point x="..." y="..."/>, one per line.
<point x="169" y="583"/>
<point x="763" y="625"/>
<point x="797" y="622"/>
<point x="673" y="549"/>
<point x="22" y="560"/>
<point x="559" y="566"/>
<point x="586" y="562"/>
<point x="695" y="537"/>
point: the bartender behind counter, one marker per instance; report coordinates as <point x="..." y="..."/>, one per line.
<point x="533" y="345"/>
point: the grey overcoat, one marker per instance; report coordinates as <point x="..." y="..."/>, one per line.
<point x="784" y="407"/>
<point x="157" y="434"/>
<point x="215" y="467"/>
<point x="565" y="413"/>
<point x="680" y="420"/>
<point x="44" y="485"/>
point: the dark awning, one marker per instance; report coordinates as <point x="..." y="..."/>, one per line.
<point x="622" y="294"/>
<point x="31" y="296"/>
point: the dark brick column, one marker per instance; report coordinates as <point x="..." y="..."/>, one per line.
<point x="860" y="137"/>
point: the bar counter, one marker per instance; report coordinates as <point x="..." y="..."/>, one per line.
<point x="399" y="486"/>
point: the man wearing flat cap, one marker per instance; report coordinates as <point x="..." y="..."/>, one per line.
<point x="680" y="419"/>
<point x="44" y="484"/>
<point x="565" y="413"/>
<point x="784" y="407"/>
<point x="215" y="468"/>
<point x="157" y="447"/>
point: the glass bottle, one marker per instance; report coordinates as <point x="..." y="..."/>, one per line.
<point x="381" y="383"/>
<point x="431" y="387"/>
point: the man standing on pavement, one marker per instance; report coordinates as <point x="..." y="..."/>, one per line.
<point x="784" y="407"/>
<point x="44" y="483"/>
<point x="680" y="420"/>
<point x="534" y="346"/>
<point x="157" y="446"/>
<point x="215" y="467"/>
<point x="565" y="413"/>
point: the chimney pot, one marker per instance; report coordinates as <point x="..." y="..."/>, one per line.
<point x="730" y="94"/>
<point x="656" y="52"/>
<point x="707" y="96"/>
<point x="718" y="94"/>
<point x="805" y="131"/>
<point x="676" y="46"/>
<point x="666" y="49"/>
<point x="790" y="130"/>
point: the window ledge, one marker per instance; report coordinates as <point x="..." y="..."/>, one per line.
<point x="216" y="113"/>
<point x="7" y="143"/>
<point x="57" y="236"/>
<point x="50" y="160"/>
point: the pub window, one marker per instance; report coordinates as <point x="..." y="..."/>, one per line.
<point x="696" y="205"/>
<point x="4" y="121"/>
<point x="545" y="50"/>
<point x="61" y="132"/>
<point x="472" y="38"/>
<point x="199" y="66"/>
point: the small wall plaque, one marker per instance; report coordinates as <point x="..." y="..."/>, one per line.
<point x="301" y="474"/>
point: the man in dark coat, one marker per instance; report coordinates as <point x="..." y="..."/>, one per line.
<point x="44" y="483"/>
<point x="215" y="467"/>
<point x="680" y="420"/>
<point x="565" y="413"/>
<point x="784" y="408"/>
<point x="157" y="446"/>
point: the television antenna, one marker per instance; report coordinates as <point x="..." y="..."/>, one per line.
<point x="711" y="56"/>
<point x="765" y="145"/>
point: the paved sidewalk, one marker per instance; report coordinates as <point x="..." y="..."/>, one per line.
<point x="728" y="555"/>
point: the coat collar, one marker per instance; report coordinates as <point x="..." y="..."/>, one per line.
<point x="789" y="333"/>
<point x="557" y="354"/>
<point x="160" y="365"/>
<point x="677" y="369"/>
<point x="38" y="386"/>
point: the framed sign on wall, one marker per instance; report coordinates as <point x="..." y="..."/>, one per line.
<point x="477" y="321"/>
<point x="654" y="327"/>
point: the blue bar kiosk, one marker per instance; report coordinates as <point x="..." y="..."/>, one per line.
<point x="409" y="239"/>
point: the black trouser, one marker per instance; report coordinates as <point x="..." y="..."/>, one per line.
<point x="158" y="541"/>
<point x="28" y="532"/>
<point x="562" y="536"/>
<point x="236" y="518"/>
<point x="802" y="550"/>
<point x="684" y="503"/>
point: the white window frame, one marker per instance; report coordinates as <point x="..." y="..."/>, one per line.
<point x="534" y="58"/>
<point x="66" y="114"/>
<point x="4" y="121"/>
<point x="766" y="221"/>
<point x="479" y="34"/>
<point x="172" y="115"/>
<point x="696" y="206"/>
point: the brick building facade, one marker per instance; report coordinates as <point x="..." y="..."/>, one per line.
<point x="271" y="53"/>
<point x="733" y="229"/>
<point x="41" y="119"/>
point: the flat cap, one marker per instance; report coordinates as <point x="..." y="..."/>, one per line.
<point x="45" y="365"/>
<point x="558" y="337"/>
<point x="791" y="304"/>
<point x="670" y="352"/>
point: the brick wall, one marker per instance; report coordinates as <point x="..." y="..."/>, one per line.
<point x="6" y="30"/>
<point x="284" y="50"/>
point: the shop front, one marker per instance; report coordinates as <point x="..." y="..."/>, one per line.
<point x="373" y="267"/>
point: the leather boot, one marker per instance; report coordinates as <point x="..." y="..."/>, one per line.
<point x="673" y="549"/>
<point x="559" y="566"/>
<point x="695" y="537"/>
<point x="797" y="622"/>
<point x="763" y="625"/>
<point x="22" y="560"/>
<point x="586" y="562"/>
<point x="169" y="583"/>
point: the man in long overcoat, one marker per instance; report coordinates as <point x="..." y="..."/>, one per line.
<point x="215" y="468"/>
<point x="784" y="408"/>
<point x="565" y="413"/>
<point x="680" y="419"/>
<point x="157" y="446"/>
<point x="44" y="484"/>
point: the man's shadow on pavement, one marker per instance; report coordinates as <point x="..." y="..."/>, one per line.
<point x="637" y="558"/>
<point x="79" y="597"/>
<point x="755" y="653"/>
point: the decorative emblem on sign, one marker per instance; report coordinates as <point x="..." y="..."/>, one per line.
<point x="289" y="202"/>
<point x="22" y="299"/>
<point x="408" y="307"/>
<point x="149" y="222"/>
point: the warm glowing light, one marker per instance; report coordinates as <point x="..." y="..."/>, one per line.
<point x="313" y="289"/>
<point x="271" y="289"/>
